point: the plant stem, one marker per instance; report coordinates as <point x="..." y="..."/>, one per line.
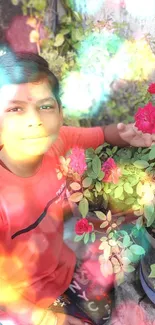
<point x="38" y="48"/>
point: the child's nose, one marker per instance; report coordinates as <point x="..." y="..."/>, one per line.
<point x="34" y="124"/>
<point x="33" y="119"/>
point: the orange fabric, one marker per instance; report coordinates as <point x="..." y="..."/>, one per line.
<point x="34" y="260"/>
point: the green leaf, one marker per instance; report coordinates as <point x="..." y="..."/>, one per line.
<point x="130" y="268"/>
<point x="114" y="149"/>
<point x="101" y="175"/>
<point x="59" y="40"/>
<point x="128" y="254"/>
<point x="130" y="200"/>
<point x="91" y="174"/>
<point x="149" y="214"/>
<point x="86" y="238"/>
<point x="128" y="188"/>
<point x="137" y="250"/>
<point x="15" y="2"/>
<point x="98" y="150"/>
<point x="77" y="35"/>
<point x="87" y="182"/>
<point x="100" y="215"/>
<point x="78" y="238"/>
<point x="96" y="165"/>
<point x="139" y="189"/>
<point x="141" y="164"/>
<point x="90" y="153"/>
<point x="87" y="194"/>
<point x="118" y="192"/>
<point x="139" y="222"/>
<point x="77" y="16"/>
<point x="84" y="207"/>
<point x="93" y="237"/>
<point x="65" y="31"/>
<point x="109" y="152"/>
<point x="152" y="274"/>
<point x="152" y="153"/>
<point x="126" y="241"/>
<point x="98" y="186"/>
<point x="121" y="197"/>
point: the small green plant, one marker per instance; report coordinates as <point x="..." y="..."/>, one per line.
<point x="110" y="183"/>
<point x="35" y="8"/>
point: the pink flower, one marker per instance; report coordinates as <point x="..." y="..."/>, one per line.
<point x="145" y="119"/>
<point x="111" y="170"/>
<point x="83" y="226"/>
<point x="151" y="88"/>
<point x="78" y="161"/>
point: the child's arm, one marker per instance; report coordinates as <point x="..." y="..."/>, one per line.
<point x="122" y="135"/>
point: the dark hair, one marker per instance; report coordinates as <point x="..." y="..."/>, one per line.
<point x="23" y="67"/>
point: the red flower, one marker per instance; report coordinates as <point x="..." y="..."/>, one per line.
<point x="111" y="170"/>
<point x="145" y="119"/>
<point x="83" y="226"/>
<point x="151" y="88"/>
<point x="78" y="161"/>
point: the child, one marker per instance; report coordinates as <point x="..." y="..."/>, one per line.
<point x="36" y="267"/>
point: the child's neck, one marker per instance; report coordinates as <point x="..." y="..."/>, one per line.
<point x="21" y="168"/>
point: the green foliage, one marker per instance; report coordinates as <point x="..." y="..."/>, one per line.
<point x="125" y="98"/>
<point x="58" y="64"/>
<point x="71" y="30"/>
<point x="152" y="274"/>
<point x="32" y="7"/>
<point x="84" y="207"/>
<point x="133" y="186"/>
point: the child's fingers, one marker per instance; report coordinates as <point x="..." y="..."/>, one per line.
<point x="126" y="129"/>
<point x="147" y="139"/>
<point x="121" y="127"/>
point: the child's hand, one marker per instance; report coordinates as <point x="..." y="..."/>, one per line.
<point x="130" y="134"/>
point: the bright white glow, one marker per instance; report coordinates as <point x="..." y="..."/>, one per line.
<point x="88" y="7"/>
<point x="141" y="8"/>
<point x="7" y="322"/>
<point x="80" y="91"/>
<point x="7" y="94"/>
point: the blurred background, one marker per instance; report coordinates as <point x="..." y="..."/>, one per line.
<point x="103" y="52"/>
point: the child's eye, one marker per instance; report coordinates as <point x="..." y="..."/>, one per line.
<point x="48" y="107"/>
<point x="15" y="109"/>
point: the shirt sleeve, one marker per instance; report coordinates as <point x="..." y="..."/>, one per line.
<point x="84" y="138"/>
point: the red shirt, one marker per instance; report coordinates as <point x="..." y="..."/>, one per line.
<point x="40" y="265"/>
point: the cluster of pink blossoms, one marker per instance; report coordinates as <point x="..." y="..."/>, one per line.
<point x="78" y="161"/>
<point x="112" y="171"/>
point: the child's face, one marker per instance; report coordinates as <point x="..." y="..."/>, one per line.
<point x="30" y="119"/>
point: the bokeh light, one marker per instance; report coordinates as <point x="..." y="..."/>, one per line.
<point x="102" y="59"/>
<point x="87" y="7"/>
<point x="135" y="60"/>
<point x="85" y="89"/>
<point x="6" y="322"/>
<point x="141" y="8"/>
<point x="80" y="91"/>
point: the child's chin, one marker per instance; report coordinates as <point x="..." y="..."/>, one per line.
<point x="37" y="151"/>
<point x="37" y="147"/>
